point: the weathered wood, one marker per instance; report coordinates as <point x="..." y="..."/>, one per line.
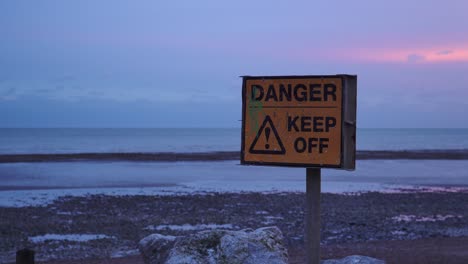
<point x="25" y="256"/>
<point x="349" y="121"/>
<point x="312" y="215"/>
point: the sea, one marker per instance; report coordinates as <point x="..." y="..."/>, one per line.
<point x="39" y="183"/>
<point x="100" y="140"/>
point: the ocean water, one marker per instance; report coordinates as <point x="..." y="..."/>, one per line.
<point x="23" y="184"/>
<point x="85" y="140"/>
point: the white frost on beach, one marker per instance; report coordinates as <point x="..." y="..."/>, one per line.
<point x="188" y="227"/>
<point x="430" y="189"/>
<point x="279" y="186"/>
<point x="124" y="253"/>
<point x="399" y="233"/>
<point x="69" y="213"/>
<point x="23" y="198"/>
<point x="68" y="237"/>
<point x="434" y="218"/>
<point x="269" y="220"/>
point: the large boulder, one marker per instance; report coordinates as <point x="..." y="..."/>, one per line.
<point x="264" y="245"/>
<point x="355" y="259"/>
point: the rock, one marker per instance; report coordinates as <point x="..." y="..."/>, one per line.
<point x="264" y="245"/>
<point x="201" y="247"/>
<point x="155" y="248"/>
<point x="355" y="259"/>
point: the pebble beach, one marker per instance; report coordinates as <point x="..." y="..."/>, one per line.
<point x="108" y="228"/>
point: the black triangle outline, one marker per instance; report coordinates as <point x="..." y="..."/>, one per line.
<point x="260" y="131"/>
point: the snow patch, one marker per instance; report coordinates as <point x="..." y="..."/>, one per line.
<point x="428" y="189"/>
<point x="398" y="233"/>
<point x="125" y="253"/>
<point x="69" y="213"/>
<point x="188" y="227"/>
<point x="68" y="237"/>
<point x="24" y="198"/>
<point x="271" y="219"/>
<point x="434" y="218"/>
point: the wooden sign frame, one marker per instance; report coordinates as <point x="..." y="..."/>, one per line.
<point x="347" y="155"/>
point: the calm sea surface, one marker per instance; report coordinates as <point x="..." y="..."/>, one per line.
<point x="73" y="140"/>
<point x="31" y="183"/>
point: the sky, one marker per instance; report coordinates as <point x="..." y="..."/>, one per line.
<point x="114" y="63"/>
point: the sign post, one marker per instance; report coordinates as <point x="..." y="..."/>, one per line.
<point x="312" y="215"/>
<point x="301" y="121"/>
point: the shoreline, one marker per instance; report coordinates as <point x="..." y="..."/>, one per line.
<point x="436" y="154"/>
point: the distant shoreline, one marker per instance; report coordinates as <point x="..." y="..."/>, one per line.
<point x="442" y="154"/>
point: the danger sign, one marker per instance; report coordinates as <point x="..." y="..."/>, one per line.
<point x="302" y="121"/>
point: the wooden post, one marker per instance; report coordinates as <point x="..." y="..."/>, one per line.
<point x="312" y="215"/>
<point x="25" y="256"/>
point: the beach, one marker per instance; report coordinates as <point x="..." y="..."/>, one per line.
<point x="110" y="227"/>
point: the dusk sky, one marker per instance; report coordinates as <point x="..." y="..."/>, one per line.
<point x="177" y="63"/>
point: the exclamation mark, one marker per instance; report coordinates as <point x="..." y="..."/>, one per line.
<point x="267" y="134"/>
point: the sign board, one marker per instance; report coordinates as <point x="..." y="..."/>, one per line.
<point x="300" y="121"/>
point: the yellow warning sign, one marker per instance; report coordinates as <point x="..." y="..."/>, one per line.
<point x="299" y="121"/>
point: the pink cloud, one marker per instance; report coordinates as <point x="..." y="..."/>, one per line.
<point x="423" y="55"/>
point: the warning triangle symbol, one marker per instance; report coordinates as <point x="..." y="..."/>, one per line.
<point x="267" y="140"/>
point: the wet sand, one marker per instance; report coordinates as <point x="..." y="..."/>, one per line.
<point x="434" y="225"/>
<point x="223" y="155"/>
